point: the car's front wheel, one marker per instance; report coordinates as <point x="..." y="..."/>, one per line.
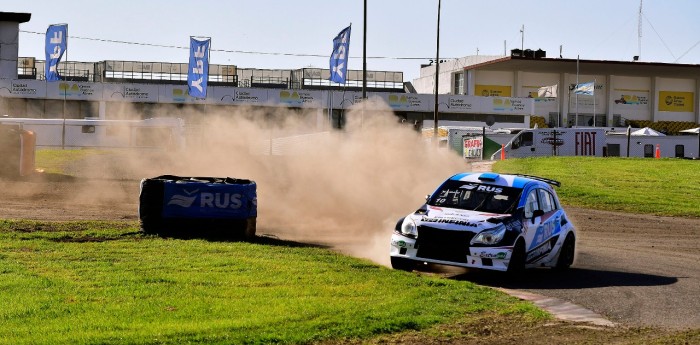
<point x="402" y="264"/>
<point x="566" y="255"/>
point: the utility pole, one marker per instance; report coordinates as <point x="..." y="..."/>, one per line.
<point x="639" y="30"/>
<point x="522" y="39"/>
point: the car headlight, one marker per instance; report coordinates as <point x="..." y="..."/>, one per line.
<point x="408" y="228"/>
<point x="491" y="236"/>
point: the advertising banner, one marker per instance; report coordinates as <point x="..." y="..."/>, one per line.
<point x="74" y="90"/>
<point x="22" y="88"/>
<point x="473" y="146"/>
<point x="345" y="100"/>
<point x="339" y="56"/>
<point x="676" y="101"/>
<point x="631" y="99"/>
<point x="130" y="92"/>
<point x="56" y="45"/>
<point x="230" y="95"/>
<point x="408" y="101"/>
<point x="492" y="90"/>
<point x="297" y="98"/>
<point x="509" y="105"/>
<point x="198" y="71"/>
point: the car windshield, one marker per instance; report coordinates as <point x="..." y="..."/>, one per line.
<point x="476" y="197"/>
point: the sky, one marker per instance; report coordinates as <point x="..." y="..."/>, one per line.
<point x="401" y="34"/>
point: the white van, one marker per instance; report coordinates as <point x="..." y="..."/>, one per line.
<point x="555" y="142"/>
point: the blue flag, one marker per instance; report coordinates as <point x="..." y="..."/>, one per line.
<point x="584" y="89"/>
<point x="339" y="57"/>
<point x="198" y="71"/>
<point x="56" y="45"/>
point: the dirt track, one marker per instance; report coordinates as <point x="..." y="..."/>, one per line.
<point x="634" y="269"/>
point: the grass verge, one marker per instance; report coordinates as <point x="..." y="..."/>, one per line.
<point x="55" y="161"/>
<point x="105" y="282"/>
<point x="667" y="187"/>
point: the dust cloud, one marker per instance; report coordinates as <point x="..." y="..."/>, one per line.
<point x="343" y="188"/>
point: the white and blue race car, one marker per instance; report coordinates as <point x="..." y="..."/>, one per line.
<point x="490" y="221"/>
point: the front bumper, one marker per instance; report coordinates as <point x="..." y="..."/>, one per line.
<point x="490" y="258"/>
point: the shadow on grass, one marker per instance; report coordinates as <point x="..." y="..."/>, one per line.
<point x="573" y="278"/>
<point x="214" y="236"/>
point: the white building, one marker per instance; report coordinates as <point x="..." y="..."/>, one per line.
<point x="624" y="90"/>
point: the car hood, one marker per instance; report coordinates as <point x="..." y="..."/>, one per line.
<point x="456" y="219"/>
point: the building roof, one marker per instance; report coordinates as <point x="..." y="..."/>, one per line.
<point x="544" y="65"/>
<point x="15" y="17"/>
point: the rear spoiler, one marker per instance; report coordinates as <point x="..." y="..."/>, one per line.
<point x="542" y="179"/>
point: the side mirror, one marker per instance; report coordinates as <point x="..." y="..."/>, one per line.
<point x="427" y="198"/>
<point x="537" y="213"/>
<point x="515" y="145"/>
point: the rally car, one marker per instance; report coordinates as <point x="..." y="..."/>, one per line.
<point x="488" y="221"/>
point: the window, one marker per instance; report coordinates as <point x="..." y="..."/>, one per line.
<point x="531" y="204"/>
<point x="547" y="202"/>
<point x="527" y="139"/>
<point x="476" y="197"/>
<point x="458" y="84"/>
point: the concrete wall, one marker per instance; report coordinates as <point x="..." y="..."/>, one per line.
<point x="9" y="38"/>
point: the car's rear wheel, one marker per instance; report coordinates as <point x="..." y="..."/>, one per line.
<point x="402" y="264"/>
<point x="567" y="252"/>
<point x="516" y="266"/>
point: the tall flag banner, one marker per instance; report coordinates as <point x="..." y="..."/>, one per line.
<point x="548" y="91"/>
<point x="198" y="71"/>
<point x="339" y="57"/>
<point x="584" y="89"/>
<point x="56" y="45"/>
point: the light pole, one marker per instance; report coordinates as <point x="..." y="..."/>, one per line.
<point x="364" y="55"/>
<point x="437" y="74"/>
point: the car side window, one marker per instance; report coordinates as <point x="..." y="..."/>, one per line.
<point x="555" y="205"/>
<point x="531" y="203"/>
<point x="546" y="201"/>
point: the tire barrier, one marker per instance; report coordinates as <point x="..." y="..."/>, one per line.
<point x="17" y="151"/>
<point x="198" y="206"/>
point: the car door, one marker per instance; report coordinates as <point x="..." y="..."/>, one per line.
<point x="531" y="222"/>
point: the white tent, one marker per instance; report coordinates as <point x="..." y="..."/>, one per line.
<point x="648" y="132"/>
<point x="692" y="130"/>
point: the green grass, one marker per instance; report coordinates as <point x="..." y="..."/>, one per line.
<point x="105" y="282"/>
<point x="56" y="160"/>
<point x="669" y="187"/>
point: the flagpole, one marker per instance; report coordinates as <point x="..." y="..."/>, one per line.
<point x="437" y="73"/>
<point x="558" y="108"/>
<point x="594" y="81"/>
<point x="576" y="94"/>
<point x="63" y="127"/>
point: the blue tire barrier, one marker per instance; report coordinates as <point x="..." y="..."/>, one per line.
<point x="198" y="206"/>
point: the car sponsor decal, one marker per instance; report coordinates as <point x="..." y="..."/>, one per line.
<point x="400" y="244"/>
<point x="539" y="252"/>
<point x="490" y="255"/>
<point x="448" y="221"/>
<point x="549" y="227"/>
<point x="198" y="200"/>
